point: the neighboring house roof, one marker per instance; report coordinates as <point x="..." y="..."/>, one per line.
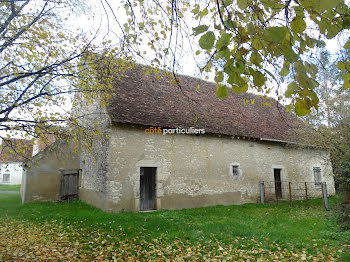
<point x="145" y="100"/>
<point x="15" y="150"/>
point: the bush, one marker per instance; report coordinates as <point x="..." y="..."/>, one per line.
<point x="344" y="186"/>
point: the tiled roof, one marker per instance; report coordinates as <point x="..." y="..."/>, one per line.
<point x="152" y="101"/>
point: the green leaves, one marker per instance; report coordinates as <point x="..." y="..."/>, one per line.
<point x="242" y="4"/>
<point x="203" y="13"/>
<point x="346" y="79"/>
<point x="223" y="41"/>
<point x="291" y="89"/>
<point x="275" y="34"/>
<point x="298" y="25"/>
<point x="256" y="59"/>
<point x="219" y="77"/>
<point x="207" y="40"/>
<point x="200" y="29"/>
<point x="221" y="91"/>
<point x="285" y="68"/>
<point x="332" y="30"/>
<point x="347" y="45"/>
<point x="240" y="88"/>
<point x="289" y="53"/>
<point x="301" y="107"/>
<point x="341" y="65"/>
<point x="258" y="78"/>
<point x="306" y="98"/>
<point x="328" y="4"/>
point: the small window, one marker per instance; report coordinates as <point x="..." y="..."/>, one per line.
<point x="317" y="175"/>
<point x="235" y="170"/>
<point x="6" y="178"/>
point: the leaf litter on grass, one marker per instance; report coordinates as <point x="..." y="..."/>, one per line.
<point x="22" y="240"/>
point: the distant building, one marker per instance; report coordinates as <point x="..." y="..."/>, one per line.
<point x="13" y="152"/>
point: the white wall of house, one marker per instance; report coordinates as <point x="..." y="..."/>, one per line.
<point x="11" y="173"/>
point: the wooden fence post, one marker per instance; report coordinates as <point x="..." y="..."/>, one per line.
<point x="262" y="191"/>
<point x="325" y="197"/>
<point x="306" y="197"/>
<point x="290" y="193"/>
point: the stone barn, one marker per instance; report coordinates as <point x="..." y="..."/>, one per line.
<point x="42" y="174"/>
<point x="167" y="146"/>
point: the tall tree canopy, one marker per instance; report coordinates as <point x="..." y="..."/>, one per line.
<point x="332" y="121"/>
<point x="252" y="44"/>
<point x="44" y="62"/>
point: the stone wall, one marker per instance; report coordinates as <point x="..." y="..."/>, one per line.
<point x="41" y="176"/>
<point x="95" y="121"/>
<point x="193" y="171"/>
<point x="94" y="164"/>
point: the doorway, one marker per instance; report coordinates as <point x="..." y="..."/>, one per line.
<point x="69" y="185"/>
<point x="278" y="183"/>
<point x="147" y="188"/>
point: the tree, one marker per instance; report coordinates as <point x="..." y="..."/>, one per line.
<point x="44" y="63"/>
<point x="249" y="44"/>
<point x="332" y="123"/>
<point x="332" y="119"/>
<point x="327" y="91"/>
<point x="246" y="43"/>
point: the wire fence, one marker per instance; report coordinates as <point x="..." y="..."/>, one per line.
<point x="275" y="191"/>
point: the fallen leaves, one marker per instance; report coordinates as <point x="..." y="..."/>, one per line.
<point x="53" y="241"/>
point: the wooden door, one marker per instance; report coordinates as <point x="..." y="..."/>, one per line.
<point x="148" y="188"/>
<point x="278" y="183"/>
<point x="69" y="186"/>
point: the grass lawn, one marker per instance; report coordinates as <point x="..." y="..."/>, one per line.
<point x="10" y="187"/>
<point x="75" y="231"/>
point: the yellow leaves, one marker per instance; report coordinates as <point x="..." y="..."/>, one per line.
<point x="31" y="242"/>
<point x="346" y="79"/>
<point x="302" y="107"/>
<point x="347" y="45"/>
<point x="81" y="233"/>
